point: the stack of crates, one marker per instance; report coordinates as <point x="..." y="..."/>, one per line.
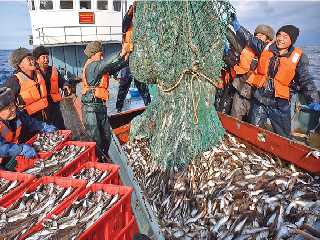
<point x="118" y="222"/>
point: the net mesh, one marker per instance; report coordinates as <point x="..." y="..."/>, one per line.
<point x="178" y="45"/>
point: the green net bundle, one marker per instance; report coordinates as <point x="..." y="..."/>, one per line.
<point x="178" y="45"/>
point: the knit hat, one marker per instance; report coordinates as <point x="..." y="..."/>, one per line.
<point x="38" y="51"/>
<point x="291" y="30"/>
<point x="6" y="97"/>
<point x="17" y="56"/>
<point x="266" y="30"/>
<point x="92" y="48"/>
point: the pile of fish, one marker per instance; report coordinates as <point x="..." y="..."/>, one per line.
<point x="7" y="185"/>
<point x="231" y="192"/>
<point x="77" y="218"/>
<point x="17" y="219"/>
<point x="93" y="175"/>
<point x="47" y="141"/>
<point x="57" y="161"/>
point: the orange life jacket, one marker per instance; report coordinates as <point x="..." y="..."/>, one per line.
<point x="246" y="58"/>
<point x="100" y="91"/>
<point x="8" y="135"/>
<point x="33" y="92"/>
<point x="127" y="40"/>
<point x="54" y="85"/>
<point x="226" y="77"/>
<point x="284" y="76"/>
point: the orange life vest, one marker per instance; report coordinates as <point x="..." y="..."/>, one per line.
<point x="246" y="58"/>
<point x="8" y="135"/>
<point x="127" y="40"/>
<point x="33" y="92"/>
<point x="100" y="91"/>
<point x="284" y="76"/>
<point x="54" y="85"/>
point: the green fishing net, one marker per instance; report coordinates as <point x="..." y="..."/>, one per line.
<point x="178" y="45"/>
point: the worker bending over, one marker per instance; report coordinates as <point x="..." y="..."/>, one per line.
<point x="11" y="123"/>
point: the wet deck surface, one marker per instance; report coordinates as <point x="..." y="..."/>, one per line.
<point x="130" y="104"/>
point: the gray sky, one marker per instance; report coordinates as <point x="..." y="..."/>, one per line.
<point x="15" y="22"/>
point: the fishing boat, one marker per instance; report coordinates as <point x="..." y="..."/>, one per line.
<point x="65" y="27"/>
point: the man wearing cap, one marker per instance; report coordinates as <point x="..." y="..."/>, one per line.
<point x="282" y="70"/>
<point x="95" y="83"/>
<point x="54" y="81"/>
<point x="27" y="84"/>
<point x="11" y="123"/>
<point x="244" y="69"/>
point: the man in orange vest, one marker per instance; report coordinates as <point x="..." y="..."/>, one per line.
<point x="95" y="83"/>
<point x="282" y="70"/>
<point x="11" y="122"/>
<point x="28" y="85"/>
<point x="126" y="76"/>
<point x="54" y="82"/>
<point x="247" y="64"/>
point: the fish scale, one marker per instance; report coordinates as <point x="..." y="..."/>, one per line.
<point x="47" y="141"/>
<point x="7" y="186"/>
<point x="254" y="196"/>
<point x="91" y="174"/>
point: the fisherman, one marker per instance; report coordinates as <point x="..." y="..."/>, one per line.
<point x="247" y="64"/>
<point x="126" y="76"/>
<point x="95" y="82"/>
<point x="11" y="122"/>
<point x="282" y="70"/>
<point x="54" y="81"/>
<point x="27" y="84"/>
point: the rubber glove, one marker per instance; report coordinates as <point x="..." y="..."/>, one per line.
<point x="28" y="151"/>
<point x="47" y="128"/>
<point x="312" y="107"/>
<point x="235" y="23"/>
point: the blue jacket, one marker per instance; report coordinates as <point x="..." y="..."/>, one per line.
<point x="12" y="149"/>
<point x="303" y="81"/>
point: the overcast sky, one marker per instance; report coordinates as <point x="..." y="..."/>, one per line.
<point x="15" y="22"/>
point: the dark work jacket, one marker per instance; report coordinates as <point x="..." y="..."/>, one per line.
<point x="12" y="149"/>
<point x="303" y="81"/>
<point x="94" y="73"/>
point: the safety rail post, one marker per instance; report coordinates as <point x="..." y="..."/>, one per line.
<point x="65" y="35"/>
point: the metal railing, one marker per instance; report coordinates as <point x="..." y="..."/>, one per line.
<point x="78" y="34"/>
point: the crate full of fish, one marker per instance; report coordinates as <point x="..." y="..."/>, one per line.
<point x="11" y="183"/>
<point x="23" y="210"/>
<point x="67" y="157"/>
<point x="24" y="163"/>
<point x="95" y="172"/>
<point x="48" y="142"/>
<point x="101" y="212"/>
<point x="87" y="154"/>
<point x="129" y="231"/>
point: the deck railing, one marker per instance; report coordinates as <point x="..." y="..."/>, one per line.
<point x="77" y="34"/>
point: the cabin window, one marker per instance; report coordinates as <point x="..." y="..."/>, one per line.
<point x="31" y="5"/>
<point x="117" y="5"/>
<point x="102" y="5"/>
<point x="46" y="4"/>
<point x="66" y="4"/>
<point x="85" y="4"/>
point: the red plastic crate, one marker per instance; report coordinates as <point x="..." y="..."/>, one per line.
<point x="24" y="180"/>
<point x="89" y="155"/>
<point x="110" y="223"/>
<point x="66" y="133"/>
<point x="113" y="169"/>
<point x="129" y="231"/>
<point x="24" y="163"/>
